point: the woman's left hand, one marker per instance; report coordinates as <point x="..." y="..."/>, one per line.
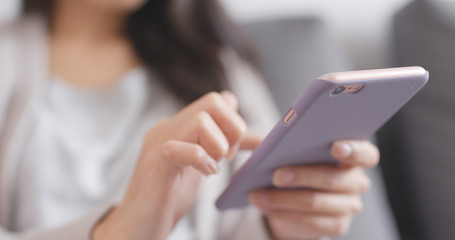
<point x="327" y="209"/>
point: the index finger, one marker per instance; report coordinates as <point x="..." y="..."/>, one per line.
<point x="250" y="142"/>
<point x="222" y="108"/>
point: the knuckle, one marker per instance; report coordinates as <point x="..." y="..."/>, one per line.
<point x="312" y="201"/>
<point x="167" y="149"/>
<point x="201" y="118"/>
<point x="197" y="154"/>
<point x="364" y="184"/>
<point x="214" y="99"/>
<point x="237" y="132"/>
<point x="376" y="156"/>
<point x="373" y="155"/>
<point x="315" y="225"/>
<point x="218" y="153"/>
<point x="357" y="206"/>
<point x="341" y="227"/>
<point x="241" y="128"/>
<point x="222" y="149"/>
<point x="358" y="180"/>
<point x="324" y="205"/>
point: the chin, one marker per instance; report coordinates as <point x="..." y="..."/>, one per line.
<point x="118" y="6"/>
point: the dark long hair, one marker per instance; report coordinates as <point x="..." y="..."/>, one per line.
<point x="180" y="41"/>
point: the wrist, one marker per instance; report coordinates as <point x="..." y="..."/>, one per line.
<point x="108" y="227"/>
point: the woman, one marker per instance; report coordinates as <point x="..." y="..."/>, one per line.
<point x="84" y="154"/>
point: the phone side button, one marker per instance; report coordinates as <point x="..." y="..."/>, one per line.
<point x="289" y="116"/>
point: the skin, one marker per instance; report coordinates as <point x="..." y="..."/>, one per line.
<point x="329" y="208"/>
<point x="89" y="51"/>
<point x="87" y="46"/>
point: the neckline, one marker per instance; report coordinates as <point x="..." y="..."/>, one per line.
<point x="117" y="84"/>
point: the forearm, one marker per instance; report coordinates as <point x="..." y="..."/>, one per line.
<point x="77" y="230"/>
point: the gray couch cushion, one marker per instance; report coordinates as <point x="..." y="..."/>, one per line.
<point x="294" y="51"/>
<point x="418" y="145"/>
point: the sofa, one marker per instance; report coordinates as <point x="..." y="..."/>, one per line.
<point x="418" y="144"/>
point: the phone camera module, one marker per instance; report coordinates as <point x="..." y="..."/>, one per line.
<point x="339" y="90"/>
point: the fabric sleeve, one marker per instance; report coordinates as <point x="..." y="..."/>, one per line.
<point x="79" y="229"/>
<point x="252" y="226"/>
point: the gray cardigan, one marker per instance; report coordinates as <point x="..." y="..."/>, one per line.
<point x="23" y="72"/>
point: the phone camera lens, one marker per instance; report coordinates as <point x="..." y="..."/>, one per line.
<point x="339" y="90"/>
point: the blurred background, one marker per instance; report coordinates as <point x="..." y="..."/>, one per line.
<point x="413" y="195"/>
<point x="362" y="27"/>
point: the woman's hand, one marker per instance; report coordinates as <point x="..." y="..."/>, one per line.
<point x="174" y="155"/>
<point x="334" y="199"/>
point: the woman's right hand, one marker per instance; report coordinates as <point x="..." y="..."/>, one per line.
<point x="174" y="155"/>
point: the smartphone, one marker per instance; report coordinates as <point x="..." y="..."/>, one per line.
<point x="336" y="106"/>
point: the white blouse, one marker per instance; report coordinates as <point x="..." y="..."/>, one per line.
<point x="83" y="147"/>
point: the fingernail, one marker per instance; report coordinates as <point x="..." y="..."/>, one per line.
<point x="284" y="177"/>
<point x="212" y="165"/>
<point x="345" y="150"/>
<point x="232" y="151"/>
<point x="259" y="199"/>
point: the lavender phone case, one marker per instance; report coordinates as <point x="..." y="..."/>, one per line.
<point x="320" y="119"/>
